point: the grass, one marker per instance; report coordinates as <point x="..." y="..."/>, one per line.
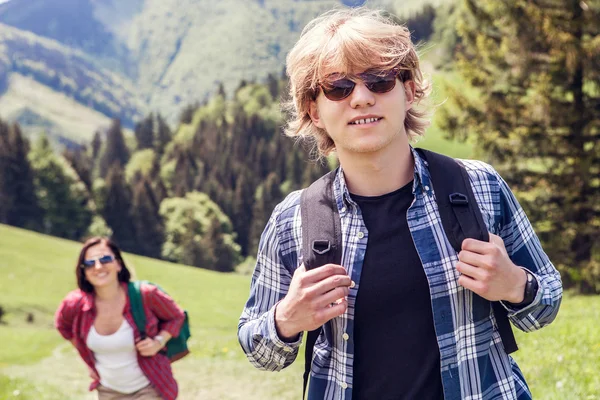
<point x="562" y="360"/>
<point x="36" y="271"/>
<point x="14" y="388"/>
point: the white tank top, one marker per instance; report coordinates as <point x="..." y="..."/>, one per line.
<point x="116" y="359"/>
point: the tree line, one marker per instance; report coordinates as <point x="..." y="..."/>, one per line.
<point x="200" y="195"/>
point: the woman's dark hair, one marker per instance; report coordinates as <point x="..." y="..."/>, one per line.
<point x="124" y="275"/>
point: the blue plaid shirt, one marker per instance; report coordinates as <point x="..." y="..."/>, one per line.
<point x="474" y="364"/>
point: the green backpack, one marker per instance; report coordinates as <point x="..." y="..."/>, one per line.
<point x="176" y="346"/>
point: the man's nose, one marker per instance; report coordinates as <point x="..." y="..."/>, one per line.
<point x="361" y="96"/>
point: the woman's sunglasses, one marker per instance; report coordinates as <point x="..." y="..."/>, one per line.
<point x="376" y="82"/>
<point x="103" y="260"/>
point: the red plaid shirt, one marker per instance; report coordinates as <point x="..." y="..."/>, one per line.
<point x="77" y="312"/>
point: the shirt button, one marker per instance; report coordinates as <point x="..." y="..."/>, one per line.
<point x="345" y="336"/>
<point x="343" y="210"/>
<point x="352" y="284"/>
<point x="360" y="235"/>
<point x="427" y="188"/>
<point x="344" y="385"/>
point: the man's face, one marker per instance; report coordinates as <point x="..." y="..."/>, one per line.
<point x="365" y="121"/>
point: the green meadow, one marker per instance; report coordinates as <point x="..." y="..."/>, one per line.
<point x="36" y="271"/>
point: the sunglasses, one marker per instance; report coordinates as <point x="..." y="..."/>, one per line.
<point x="376" y="82"/>
<point x="103" y="260"/>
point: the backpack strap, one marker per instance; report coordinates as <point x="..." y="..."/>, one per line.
<point x="461" y="219"/>
<point x="137" y="306"/>
<point x="321" y="242"/>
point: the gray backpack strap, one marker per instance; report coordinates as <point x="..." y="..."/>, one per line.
<point x="321" y="242"/>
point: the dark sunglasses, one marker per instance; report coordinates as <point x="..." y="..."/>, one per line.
<point x="103" y="260"/>
<point x="376" y="82"/>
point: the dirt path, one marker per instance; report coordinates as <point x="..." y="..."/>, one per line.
<point x="199" y="379"/>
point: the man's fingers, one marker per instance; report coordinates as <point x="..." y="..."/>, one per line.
<point x="332" y="296"/>
<point x="474" y="259"/>
<point x="335" y="310"/>
<point x="469" y="270"/>
<point x="476" y="246"/>
<point x="327" y="270"/>
<point x="467" y="282"/>
<point x="330" y="283"/>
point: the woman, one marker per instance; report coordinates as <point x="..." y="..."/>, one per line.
<point x="97" y="319"/>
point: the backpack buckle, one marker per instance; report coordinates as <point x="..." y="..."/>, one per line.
<point x="458" y="199"/>
<point x="321" y="246"/>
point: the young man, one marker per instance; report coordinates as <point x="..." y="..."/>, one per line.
<point x="405" y="315"/>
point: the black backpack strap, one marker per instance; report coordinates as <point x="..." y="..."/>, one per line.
<point x="461" y="219"/>
<point x="321" y="242"/>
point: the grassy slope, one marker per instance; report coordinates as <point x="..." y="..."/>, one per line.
<point x="36" y="271"/>
<point x="65" y="116"/>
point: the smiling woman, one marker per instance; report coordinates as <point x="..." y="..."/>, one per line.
<point x="97" y="319"/>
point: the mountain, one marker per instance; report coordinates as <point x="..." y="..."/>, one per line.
<point x="125" y="58"/>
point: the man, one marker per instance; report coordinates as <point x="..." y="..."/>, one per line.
<point x="407" y="316"/>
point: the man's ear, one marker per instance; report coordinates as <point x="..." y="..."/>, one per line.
<point x="313" y="113"/>
<point x="409" y="91"/>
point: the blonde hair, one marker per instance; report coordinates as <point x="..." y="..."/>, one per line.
<point x="347" y="41"/>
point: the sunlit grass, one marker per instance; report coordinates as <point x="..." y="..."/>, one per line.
<point x="36" y="271"/>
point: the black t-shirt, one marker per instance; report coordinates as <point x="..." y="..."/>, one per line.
<point x="396" y="355"/>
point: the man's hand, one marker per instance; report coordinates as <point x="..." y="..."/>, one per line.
<point x="148" y="347"/>
<point x="314" y="297"/>
<point x="488" y="271"/>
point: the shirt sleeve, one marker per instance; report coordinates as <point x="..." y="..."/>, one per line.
<point x="525" y="250"/>
<point x="256" y="330"/>
<point x="170" y="315"/>
<point x="64" y="316"/>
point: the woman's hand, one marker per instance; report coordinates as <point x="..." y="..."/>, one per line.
<point x="93" y="374"/>
<point x="148" y="347"/>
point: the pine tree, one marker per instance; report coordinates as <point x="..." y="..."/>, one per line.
<point x="96" y="145"/>
<point x="147" y="221"/>
<point x="117" y="208"/>
<point x="242" y="209"/>
<point x="421" y="23"/>
<point x="162" y="135"/>
<point x="268" y="195"/>
<point x="187" y="114"/>
<point x="185" y="171"/>
<point x="273" y="85"/>
<point x="116" y="150"/>
<point x="537" y="116"/>
<point x="19" y="205"/>
<point x="81" y="163"/>
<point x="144" y="133"/>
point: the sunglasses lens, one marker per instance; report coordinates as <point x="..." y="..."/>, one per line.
<point x="378" y="83"/>
<point x="88" y="263"/>
<point x="106" y="259"/>
<point x="339" y="89"/>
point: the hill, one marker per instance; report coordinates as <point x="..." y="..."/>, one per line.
<point x="124" y="59"/>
